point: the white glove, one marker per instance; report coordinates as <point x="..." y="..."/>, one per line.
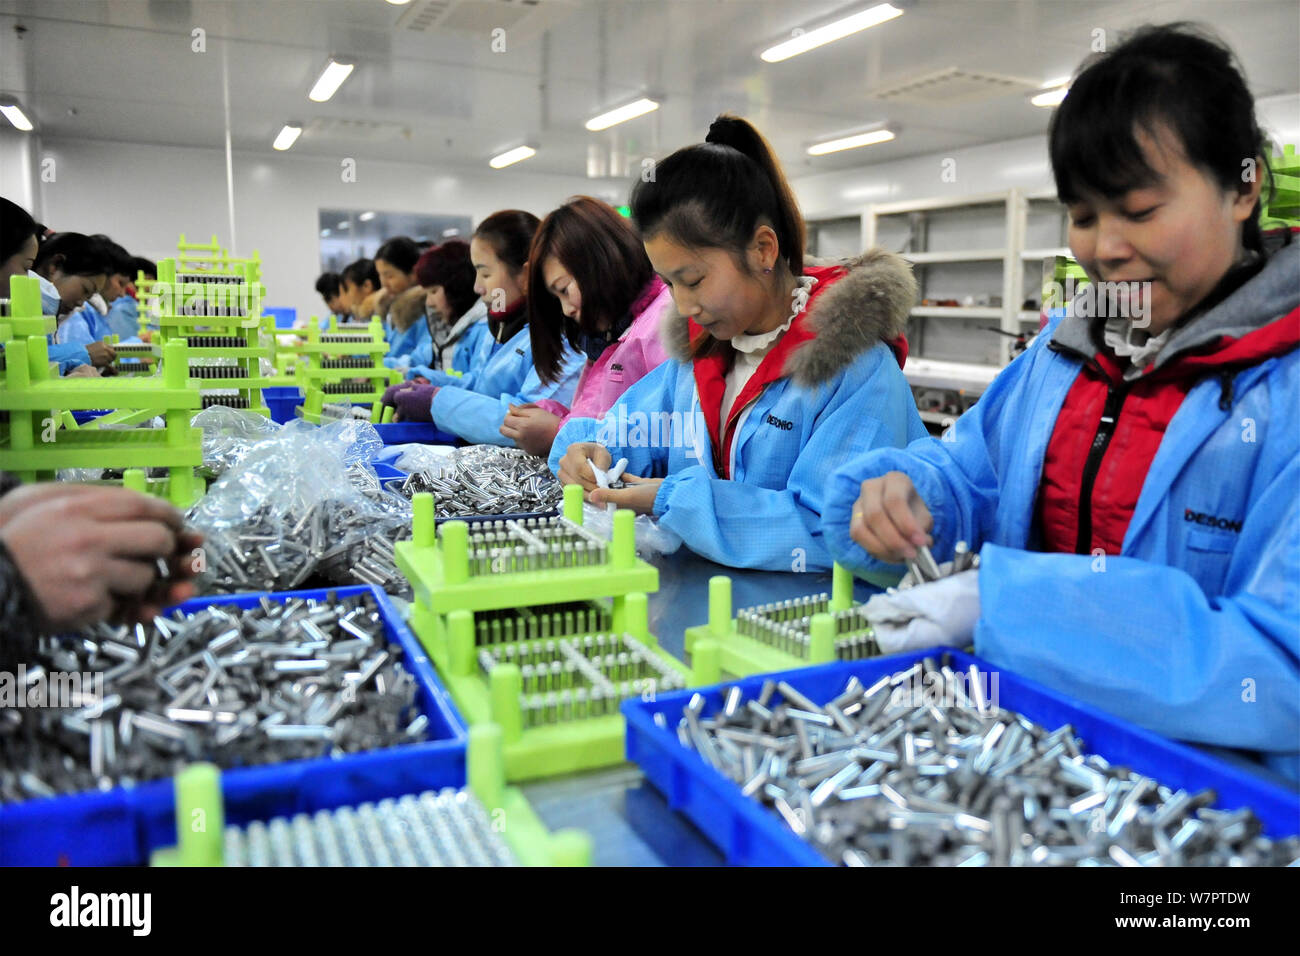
<point x="941" y="612"/>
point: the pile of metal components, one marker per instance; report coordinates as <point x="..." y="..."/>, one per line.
<point x="786" y="625"/>
<point x="532" y="544"/>
<point x="885" y="775"/>
<point x="260" y="685"/>
<point x="338" y="413"/>
<point x="488" y="482"/>
<point x="924" y="568"/>
<point x="449" y="828"/>
<point x="571" y="678"/>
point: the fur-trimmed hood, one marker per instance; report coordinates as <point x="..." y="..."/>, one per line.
<point x="866" y="304"/>
<point x="407" y="308"/>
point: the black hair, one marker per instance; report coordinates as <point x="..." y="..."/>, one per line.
<point x="359" y="272"/>
<point x="1177" y="76"/>
<point x="117" y="261"/>
<point x="400" y="252"/>
<point x="141" y="264"/>
<point x="510" y="234"/>
<point x="327" y="284"/>
<point x="82" y="255"/>
<point x="16" y="227"/>
<point x="716" y="193"/>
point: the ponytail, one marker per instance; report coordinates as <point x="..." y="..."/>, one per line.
<point x="716" y="193"/>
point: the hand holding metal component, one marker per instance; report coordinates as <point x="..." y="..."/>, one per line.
<point x="924" y="568"/>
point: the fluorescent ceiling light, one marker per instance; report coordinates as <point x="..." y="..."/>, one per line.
<point x="510" y="156"/>
<point x="15" y="115"/>
<point x="873" y="16"/>
<point x="622" y="114"/>
<point x="324" y="232"/>
<point x="448" y="233"/>
<point x="287" y="137"/>
<point x="1050" y="98"/>
<point x="850" y="142"/>
<point x="367" y="215"/>
<point x="344" y="224"/>
<point x="330" y="81"/>
<point x="399" y="3"/>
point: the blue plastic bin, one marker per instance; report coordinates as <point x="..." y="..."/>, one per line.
<point x="122" y="826"/>
<point x="419" y="433"/>
<point x="284" y="317"/>
<point x="750" y="834"/>
<point x="81" y="416"/>
<point x="281" y="400"/>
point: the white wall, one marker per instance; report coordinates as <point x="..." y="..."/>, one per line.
<point x="145" y="196"/>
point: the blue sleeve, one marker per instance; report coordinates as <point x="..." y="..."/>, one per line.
<point x="652" y="393"/>
<point x="76" y="330"/>
<point x="779" y="529"/>
<point x="421" y="353"/>
<point x="1143" y="641"/>
<point x="954" y="475"/>
<point x="68" y="356"/>
<point x="477" y="418"/>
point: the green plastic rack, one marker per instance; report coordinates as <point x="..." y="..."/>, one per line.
<point x="34" y="448"/>
<point x="198" y="788"/>
<point x="1283" y="208"/>
<point x="545" y="652"/>
<point x="218" y="311"/>
<point x="25" y="318"/>
<point x="786" y="635"/>
<point x="333" y="360"/>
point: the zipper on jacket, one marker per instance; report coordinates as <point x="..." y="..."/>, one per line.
<point x="1115" y="395"/>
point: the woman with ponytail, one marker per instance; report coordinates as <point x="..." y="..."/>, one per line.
<point x="778" y="371"/>
<point x="1130" y="480"/>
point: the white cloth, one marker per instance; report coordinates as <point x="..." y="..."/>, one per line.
<point x="1137" y="345"/>
<point x="942" y="612"/>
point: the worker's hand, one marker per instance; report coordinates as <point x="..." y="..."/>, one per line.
<point x="392" y="391"/>
<point x="93" y="556"/>
<point x="937" y="613"/>
<point x="415" y="404"/>
<point x="83" y="371"/>
<point x="638" y="496"/>
<point x="574" y="469"/>
<point x="418" y="380"/>
<point x="29" y="496"/>
<point x="532" y="429"/>
<point x="101" y="353"/>
<point x="890" y="520"/>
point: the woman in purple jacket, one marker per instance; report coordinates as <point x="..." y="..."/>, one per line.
<point x="604" y="299"/>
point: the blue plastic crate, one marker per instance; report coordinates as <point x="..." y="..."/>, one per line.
<point x="418" y="433"/>
<point x="81" y="416"/>
<point x="284" y="317"/>
<point x="750" y="834"/>
<point x="122" y="826"/>
<point x="281" y="400"/>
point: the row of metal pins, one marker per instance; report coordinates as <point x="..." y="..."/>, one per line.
<point x="217" y="371"/>
<point x="526" y="624"/>
<point x="216" y="342"/>
<point x="447" y="828"/>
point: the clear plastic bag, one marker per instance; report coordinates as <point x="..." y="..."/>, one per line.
<point x="229" y="434"/>
<point x="651" y="540"/>
<point x="295" y="507"/>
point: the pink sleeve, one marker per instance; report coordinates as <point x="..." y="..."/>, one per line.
<point x="552" y="406"/>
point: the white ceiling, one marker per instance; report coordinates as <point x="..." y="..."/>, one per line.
<point x="124" y="70"/>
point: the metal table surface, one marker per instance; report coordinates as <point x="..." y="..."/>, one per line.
<point x="628" y="820"/>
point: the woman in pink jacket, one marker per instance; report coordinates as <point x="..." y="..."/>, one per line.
<point x="603" y="297"/>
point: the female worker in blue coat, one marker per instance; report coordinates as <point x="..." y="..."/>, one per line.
<point x="777" y="372"/>
<point x="1130" y="486"/>
<point x="500" y="365"/>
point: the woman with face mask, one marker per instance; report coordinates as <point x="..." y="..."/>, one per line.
<point x="501" y="371"/>
<point x="71" y="268"/>
<point x="1129" y="482"/>
<point x="778" y="371"/>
